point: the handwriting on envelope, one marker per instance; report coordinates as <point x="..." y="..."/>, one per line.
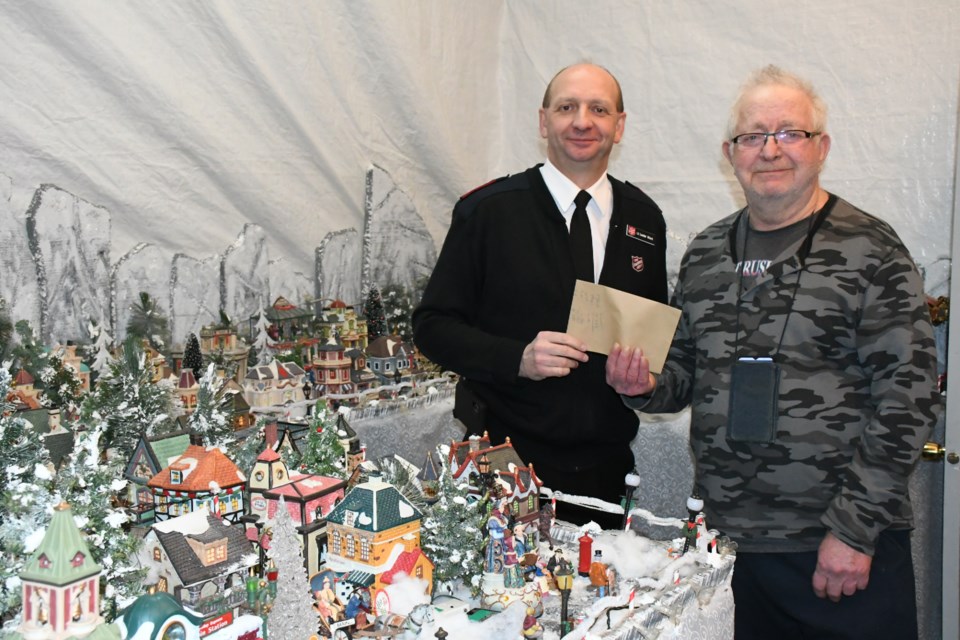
<point x="601" y="316"/>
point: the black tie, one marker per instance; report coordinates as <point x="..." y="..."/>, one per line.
<point x="581" y="243"/>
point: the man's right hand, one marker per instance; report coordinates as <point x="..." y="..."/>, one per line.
<point x="552" y="355"/>
<point x="628" y="371"/>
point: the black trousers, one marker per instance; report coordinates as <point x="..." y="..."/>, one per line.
<point x="774" y="598"/>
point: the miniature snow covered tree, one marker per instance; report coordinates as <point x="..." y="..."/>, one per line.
<point x="292" y="615"/>
<point x="373" y="310"/>
<point x="61" y="387"/>
<point x="263" y="344"/>
<point x="30" y="354"/>
<point x="208" y="418"/>
<point x="91" y="486"/>
<point x="6" y="330"/>
<point x="192" y="358"/>
<point x="453" y="535"/>
<point x="128" y="403"/>
<point x="101" y="347"/>
<point x="398" y="304"/>
<point x="322" y="451"/>
<point x="147" y="322"/>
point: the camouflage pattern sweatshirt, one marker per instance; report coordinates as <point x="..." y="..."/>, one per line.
<point x="857" y="394"/>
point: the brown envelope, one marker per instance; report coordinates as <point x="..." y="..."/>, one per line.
<point x="601" y="316"/>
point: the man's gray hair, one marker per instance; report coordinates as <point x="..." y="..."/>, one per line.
<point x="772" y="75"/>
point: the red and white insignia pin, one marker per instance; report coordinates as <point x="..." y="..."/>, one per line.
<point x="637" y="263"/>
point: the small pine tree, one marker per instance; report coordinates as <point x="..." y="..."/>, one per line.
<point x="208" y="418"/>
<point x="147" y="322"/>
<point x="292" y="615"/>
<point x="25" y="490"/>
<point x="29" y="353"/>
<point x="373" y="310"/>
<point x="128" y="403"/>
<point x="6" y="330"/>
<point x="192" y="358"/>
<point x="61" y="387"/>
<point x="453" y="533"/>
<point x="263" y="344"/>
<point x="398" y="304"/>
<point x="103" y="357"/>
<point x="90" y="484"/>
<point x="322" y="452"/>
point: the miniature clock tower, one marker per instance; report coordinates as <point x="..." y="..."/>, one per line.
<point x="269" y="471"/>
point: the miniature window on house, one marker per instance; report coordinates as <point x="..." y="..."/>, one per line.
<point x="78" y="559"/>
<point x="44" y="561"/>
<point x="176" y="476"/>
<point x="157" y="555"/>
<point x="335" y="542"/>
<point x="280" y="474"/>
<point x="364" y="548"/>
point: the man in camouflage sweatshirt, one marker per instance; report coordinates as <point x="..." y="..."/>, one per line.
<point x="820" y="308"/>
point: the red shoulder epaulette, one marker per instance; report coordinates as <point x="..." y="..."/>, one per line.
<point x="483" y="186"/>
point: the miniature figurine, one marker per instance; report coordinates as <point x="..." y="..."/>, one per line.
<point x="512" y="576"/>
<point x="598" y="573"/>
<point x="531" y="626"/>
<point x="690" y="531"/>
<point x="545" y="522"/>
<point x="496" y="524"/>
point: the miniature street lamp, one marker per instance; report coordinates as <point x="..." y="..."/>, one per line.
<point x="694" y="507"/>
<point x="563" y="574"/>
<point x="483" y="471"/>
<point x="631" y="481"/>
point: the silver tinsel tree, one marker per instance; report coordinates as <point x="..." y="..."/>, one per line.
<point x="292" y="616"/>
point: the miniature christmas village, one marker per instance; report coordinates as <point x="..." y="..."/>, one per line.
<point x="218" y="490"/>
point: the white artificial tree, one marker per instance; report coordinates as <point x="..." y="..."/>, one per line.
<point x="292" y="614"/>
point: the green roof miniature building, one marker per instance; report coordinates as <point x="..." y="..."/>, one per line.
<point x="61" y="583"/>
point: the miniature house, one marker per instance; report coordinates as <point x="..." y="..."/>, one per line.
<point x="374" y="534"/>
<point x="203" y="477"/>
<point x="61" y="584"/>
<point x="389" y="357"/>
<point x="201" y="560"/>
<point x="149" y="458"/>
<point x="309" y="498"/>
<point x="519" y="487"/>
<point x="274" y="384"/>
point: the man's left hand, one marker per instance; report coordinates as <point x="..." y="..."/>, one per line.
<point x="841" y="569"/>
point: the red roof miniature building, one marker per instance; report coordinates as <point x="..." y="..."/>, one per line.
<point x="518" y="482"/>
<point x="200" y="477"/>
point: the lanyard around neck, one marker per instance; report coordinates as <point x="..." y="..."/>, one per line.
<point x="816" y="219"/>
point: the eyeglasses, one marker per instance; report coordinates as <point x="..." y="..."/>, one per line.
<point x="786" y="137"/>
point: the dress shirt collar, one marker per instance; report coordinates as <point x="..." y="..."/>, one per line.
<point x="564" y="191"/>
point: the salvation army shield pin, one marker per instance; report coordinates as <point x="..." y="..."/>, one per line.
<point x="637" y="263"/>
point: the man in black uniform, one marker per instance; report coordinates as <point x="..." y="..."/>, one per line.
<point x="496" y="307"/>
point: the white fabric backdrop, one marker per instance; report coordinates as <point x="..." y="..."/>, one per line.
<point x="187" y="119"/>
